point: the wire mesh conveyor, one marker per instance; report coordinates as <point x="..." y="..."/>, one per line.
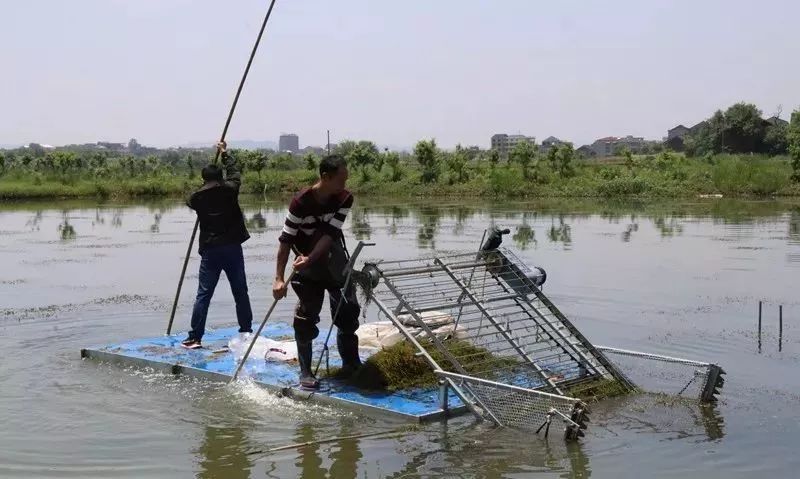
<point x="510" y="355"/>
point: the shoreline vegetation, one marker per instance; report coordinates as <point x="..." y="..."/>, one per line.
<point x="734" y="153"/>
<point x="662" y="175"/>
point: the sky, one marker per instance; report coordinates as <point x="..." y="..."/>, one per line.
<point x="165" y="71"/>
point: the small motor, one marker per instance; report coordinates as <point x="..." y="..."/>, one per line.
<point x="495" y="238"/>
<point x="537" y="275"/>
<point x="368" y="277"/>
<point x="498" y="264"/>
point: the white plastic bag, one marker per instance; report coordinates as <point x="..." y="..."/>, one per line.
<point x="383" y="334"/>
<point x="268" y="349"/>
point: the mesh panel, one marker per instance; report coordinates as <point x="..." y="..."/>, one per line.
<point x="516" y="336"/>
<point x="525" y="409"/>
<point x="661" y="374"/>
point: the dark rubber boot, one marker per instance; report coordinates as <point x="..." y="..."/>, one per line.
<point x="348" y="351"/>
<point x="307" y="379"/>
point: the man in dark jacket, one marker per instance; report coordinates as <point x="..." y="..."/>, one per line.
<point x="222" y="232"/>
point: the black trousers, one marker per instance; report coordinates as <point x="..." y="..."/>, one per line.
<point x="311" y="295"/>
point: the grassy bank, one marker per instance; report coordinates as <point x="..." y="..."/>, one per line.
<point x="659" y="176"/>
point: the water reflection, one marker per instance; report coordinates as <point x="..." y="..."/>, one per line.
<point x="360" y="221"/>
<point x="461" y="215"/>
<point x="116" y="218"/>
<point x="794" y="226"/>
<point x="257" y="222"/>
<point x="560" y="233"/>
<point x="483" y="450"/>
<point x="34" y="221"/>
<point x="65" y="229"/>
<point x="712" y="421"/>
<point x="155" y="227"/>
<point x="99" y="219"/>
<point x="309" y="462"/>
<point x="668" y="227"/>
<point x="680" y="417"/>
<point x="428" y="219"/>
<point x="629" y="230"/>
<point x="397" y="214"/>
<point x="345" y="456"/>
<point x="223" y="453"/>
<point x="524" y="236"/>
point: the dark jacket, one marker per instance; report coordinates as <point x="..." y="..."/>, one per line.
<point x="217" y="207"/>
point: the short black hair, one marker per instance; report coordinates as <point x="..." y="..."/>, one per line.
<point x="331" y="164"/>
<point x="211" y="172"/>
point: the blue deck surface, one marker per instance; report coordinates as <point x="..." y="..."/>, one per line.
<point x="166" y="350"/>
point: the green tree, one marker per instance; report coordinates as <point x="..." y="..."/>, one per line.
<point x="282" y="161"/>
<point x="566" y="160"/>
<point x="457" y="164"/>
<point x="427" y="155"/>
<point x="552" y="158"/>
<point x="151" y="164"/>
<point x="629" y="163"/>
<point x="744" y="130"/>
<point x="2" y="163"/>
<point x="97" y="161"/>
<point x="190" y="165"/>
<point x="775" y="139"/>
<point x="362" y="157"/>
<point x="393" y="162"/>
<point x="129" y="164"/>
<point x="740" y="129"/>
<point x="380" y="160"/>
<point x="793" y="139"/>
<point x="344" y="148"/>
<point x="260" y="161"/>
<point x="494" y="159"/>
<point x="311" y="161"/>
<point x="62" y="161"/>
<point x="133" y="146"/>
<point x="524" y="154"/>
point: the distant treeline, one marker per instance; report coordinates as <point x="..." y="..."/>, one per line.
<point x="734" y="153"/>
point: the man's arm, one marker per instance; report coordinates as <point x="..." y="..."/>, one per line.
<point x="233" y="175"/>
<point x="230" y="166"/>
<point x="287" y="238"/>
<point x="283" y="259"/>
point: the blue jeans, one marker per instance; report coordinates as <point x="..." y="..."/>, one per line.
<point x="215" y="259"/>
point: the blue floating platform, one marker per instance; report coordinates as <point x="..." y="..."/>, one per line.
<point x="165" y="353"/>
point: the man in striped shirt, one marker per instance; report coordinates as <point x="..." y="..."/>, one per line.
<point x="313" y="230"/>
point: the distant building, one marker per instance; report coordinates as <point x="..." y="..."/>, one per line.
<point x="776" y="121"/>
<point x="604" y="146"/>
<point x="636" y="144"/>
<point x="111" y="146"/>
<point x="504" y="143"/>
<point x="586" y="151"/>
<point x="678" y="132"/>
<point x="550" y="142"/>
<point x="609" y="145"/>
<point x="289" y="142"/>
<point x="316" y="150"/>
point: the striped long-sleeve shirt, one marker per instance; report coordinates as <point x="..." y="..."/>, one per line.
<point x="308" y="219"/>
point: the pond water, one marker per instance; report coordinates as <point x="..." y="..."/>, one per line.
<point x="676" y="278"/>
